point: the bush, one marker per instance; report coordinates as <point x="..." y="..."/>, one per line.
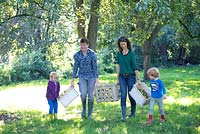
<point x="106" y="61"/>
<point x="31" y="66"/>
<point x="5" y="77"/>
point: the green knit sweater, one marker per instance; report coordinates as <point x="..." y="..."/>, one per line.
<point x="127" y="62"/>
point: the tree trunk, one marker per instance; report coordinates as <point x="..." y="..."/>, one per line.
<point x="93" y="24"/>
<point x="81" y="18"/>
<point x="146" y="51"/>
<point x="163" y="53"/>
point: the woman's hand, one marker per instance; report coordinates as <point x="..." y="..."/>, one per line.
<point x="72" y="83"/>
<point x="137" y="77"/>
<point x="136" y="72"/>
<point x="97" y="82"/>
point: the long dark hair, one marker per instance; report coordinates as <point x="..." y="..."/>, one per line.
<point x="123" y="39"/>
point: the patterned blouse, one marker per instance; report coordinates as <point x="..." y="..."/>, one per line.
<point x="85" y="65"/>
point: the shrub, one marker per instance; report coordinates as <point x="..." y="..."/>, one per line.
<point x="5" y="77"/>
<point x="31" y="66"/>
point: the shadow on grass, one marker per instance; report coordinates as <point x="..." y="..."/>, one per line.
<point x="180" y="120"/>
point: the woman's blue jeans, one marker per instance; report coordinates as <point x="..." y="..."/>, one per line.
<point x="126" y="84"/>
<point x="86" y="87"/>
<point x="53" y="106"/>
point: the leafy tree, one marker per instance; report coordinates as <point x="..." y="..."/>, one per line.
<point x="93" y="20"/>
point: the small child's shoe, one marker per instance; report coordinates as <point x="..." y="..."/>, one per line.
<point x="149" y="120"/>
<point x="55" y="116"/>
<point x="162" y="118"/>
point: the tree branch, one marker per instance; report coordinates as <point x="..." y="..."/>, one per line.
<point x="19" y="15"/>
<point x="188" y="30"/>
<point x="156" y="31"/>
<point x="41" y="6"/>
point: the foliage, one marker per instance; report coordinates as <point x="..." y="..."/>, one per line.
<point x="31" y="66"/>
<point x="5" y="77"/>
<point x="52" y="26"/>
<point x="106" y="62"/>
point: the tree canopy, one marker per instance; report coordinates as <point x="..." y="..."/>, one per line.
<point x="164" y="31"/>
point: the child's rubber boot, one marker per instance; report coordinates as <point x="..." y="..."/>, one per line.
<point x="149" y="120"/>
<point x="162" y="118"/>
<point x="55" y="116"/>
<point x="50" y="117"/>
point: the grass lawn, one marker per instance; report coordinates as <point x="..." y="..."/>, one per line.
<point x="182" y="112"/>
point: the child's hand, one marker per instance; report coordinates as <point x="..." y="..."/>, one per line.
<point x="164" y="96"/>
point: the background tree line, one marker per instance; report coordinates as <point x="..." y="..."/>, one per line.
<point x="38" y="36"/>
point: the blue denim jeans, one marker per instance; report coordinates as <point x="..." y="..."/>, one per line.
<point x="160" y="105"/>
<point x="86" y="87"/>
<point x="53" y="106"/>
<point x="126" y="84"/>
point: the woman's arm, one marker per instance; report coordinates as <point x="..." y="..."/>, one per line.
<point x="117" y="69"/>
<point x="134" y="64"/>
<point x="75" y="70"/>
<point x="95" y="66"/>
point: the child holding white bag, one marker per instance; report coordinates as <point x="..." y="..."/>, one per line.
<point x="52" y="94"/>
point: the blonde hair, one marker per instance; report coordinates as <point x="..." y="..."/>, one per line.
<point x="153" y="72"/>
<point x="52" y="74"/>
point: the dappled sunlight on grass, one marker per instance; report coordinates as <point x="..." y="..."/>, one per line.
<point x="182" y="101"/>
<point x="179" y="119"/>
<point x="182" y="108"/>
<point x="184" y="88"/>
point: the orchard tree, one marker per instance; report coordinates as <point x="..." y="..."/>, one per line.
<point x="81" y="12"/>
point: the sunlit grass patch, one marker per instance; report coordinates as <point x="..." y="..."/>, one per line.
<point x="182" y="109"/>
<point x="179" y="119"/>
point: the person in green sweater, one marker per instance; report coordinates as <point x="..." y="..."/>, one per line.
<point x="126" y="74"/>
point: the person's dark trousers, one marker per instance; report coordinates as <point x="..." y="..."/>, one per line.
<point x="133" y="106"/>
<point x="126" y="84"/>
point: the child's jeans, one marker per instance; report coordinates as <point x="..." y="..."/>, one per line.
<point x="53" y="106"/>
<point x="160" y="105"/>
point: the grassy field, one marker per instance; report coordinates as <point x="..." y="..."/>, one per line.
<point x="182" y="112"/>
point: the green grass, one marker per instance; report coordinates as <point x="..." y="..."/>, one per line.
<point x="42" y="82"/>
<point x="182" y="112"/>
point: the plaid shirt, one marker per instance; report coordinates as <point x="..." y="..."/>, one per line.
<point x="85" y="65"/>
